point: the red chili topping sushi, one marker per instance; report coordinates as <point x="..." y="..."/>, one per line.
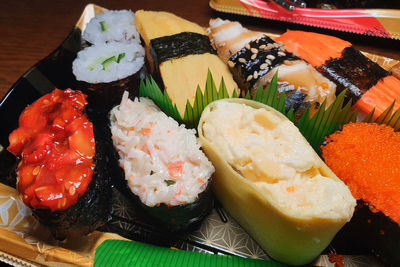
<point x="55" y="144"/>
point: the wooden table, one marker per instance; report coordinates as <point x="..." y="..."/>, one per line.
<point x="31" y="29"/>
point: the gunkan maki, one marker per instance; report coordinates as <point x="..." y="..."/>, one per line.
<point x="165" y="170"/>
<point x="61" y="173"/>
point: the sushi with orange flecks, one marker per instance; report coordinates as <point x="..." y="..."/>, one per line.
<point x="166" y="173"/>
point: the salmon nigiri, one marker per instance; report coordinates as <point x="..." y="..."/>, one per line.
<point x="253" y="58"/>
<point x="368" y="84"/>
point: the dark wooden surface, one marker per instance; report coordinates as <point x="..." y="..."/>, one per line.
<point x="31" y="29"/>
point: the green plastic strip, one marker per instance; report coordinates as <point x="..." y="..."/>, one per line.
<point x="131" y="253"/>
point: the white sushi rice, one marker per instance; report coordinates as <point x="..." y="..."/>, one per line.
<point x="118" y="25"/>
<point x="162" y="160"/>
<point x="88" y="65"/>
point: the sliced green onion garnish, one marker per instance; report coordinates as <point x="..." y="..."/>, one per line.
<point x="120" y="56"/>
<point x="108" y="61"/>
<point x="103" y="26"/>
<point x="169" y="182"/>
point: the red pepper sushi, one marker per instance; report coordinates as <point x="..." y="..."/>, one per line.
<point x="56" y="148"/>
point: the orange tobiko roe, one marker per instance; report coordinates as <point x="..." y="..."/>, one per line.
<point x="55" y="144"/>
<point x="366" y="156"/>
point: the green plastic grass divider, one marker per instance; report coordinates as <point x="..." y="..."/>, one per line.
<point x="314" y="128"/>
<point x="132" y="253"/>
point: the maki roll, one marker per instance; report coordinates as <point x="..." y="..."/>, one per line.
<point x="163" y="164"/>
<point x="253" y="58"/>
<point x="369" y="86"/>
<point x="180" y="54"/>
<point x="61" y="172"/>
<point x="113" y="64"/>
<point x="111" y="26"/>
<point x="108" y="62"/>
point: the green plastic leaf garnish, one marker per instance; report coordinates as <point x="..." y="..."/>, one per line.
<point x="325" y="121"/>
<point x="149" y="88"/>
<point x="103" y="26"/>
<point x="314" y="128"/>
<point x="169" y="182"/>
<point x="387" y="117"/>
<point x="193" y="113"/>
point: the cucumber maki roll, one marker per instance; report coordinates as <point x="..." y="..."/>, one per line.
<point x="108" y="62"/>
<point x="105" y="71"/>
<point x="111" y="25"/>
<point x="113" y="64"/>
<point x="61" y="172"/>
<point x="163" y="164"/>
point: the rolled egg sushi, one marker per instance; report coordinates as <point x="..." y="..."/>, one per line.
<point x="271" y="181"/>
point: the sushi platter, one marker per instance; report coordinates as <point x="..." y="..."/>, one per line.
<point x="92" y="149"/>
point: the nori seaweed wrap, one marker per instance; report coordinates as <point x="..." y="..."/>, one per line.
<point x="370" y="231"/>
<point x="62" y="172"/>
<point x="180" y="55"/>
<point x="354" y="72"/>
<point x="166" y="173"/>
